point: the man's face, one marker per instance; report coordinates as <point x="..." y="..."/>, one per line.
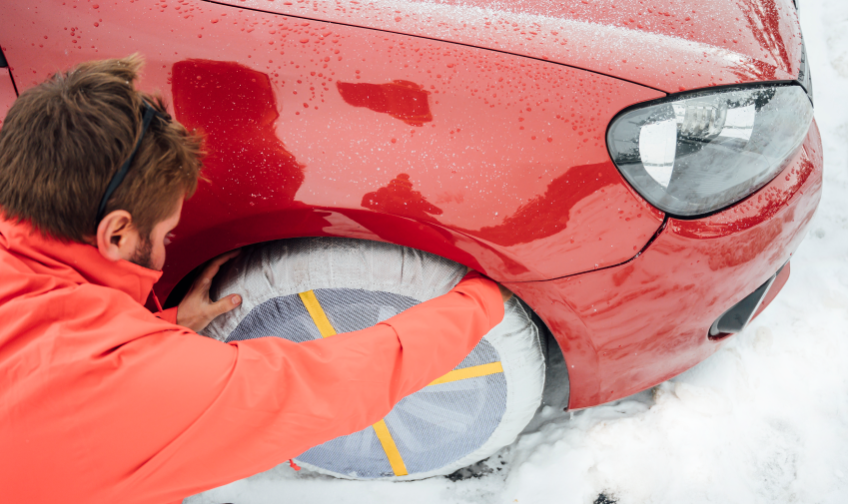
<point x="150" y="252"/>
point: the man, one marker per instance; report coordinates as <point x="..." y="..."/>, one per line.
<point x="103" y="401"/>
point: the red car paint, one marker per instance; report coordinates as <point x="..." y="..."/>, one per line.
<point x="474" y="133"/>
<point x="7" y="93"/>
<point x="402" y="100"/>
<point x="670" y="45"/>
<point x="642" y="322"/>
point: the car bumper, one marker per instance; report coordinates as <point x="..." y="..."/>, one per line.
<point x="629" y="327"/>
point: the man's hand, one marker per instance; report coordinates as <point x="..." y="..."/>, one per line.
<point x="197" y="310"/>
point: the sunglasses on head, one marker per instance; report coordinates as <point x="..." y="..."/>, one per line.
<point x="149" y="113"/>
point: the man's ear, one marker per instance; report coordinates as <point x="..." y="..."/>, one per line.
<point x="117" y="238"/>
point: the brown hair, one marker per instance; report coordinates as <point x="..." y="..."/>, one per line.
<point x="63" y="140"/>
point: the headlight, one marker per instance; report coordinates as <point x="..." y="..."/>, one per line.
<point x="804" y="73"/>
<point x="701" y="152"/>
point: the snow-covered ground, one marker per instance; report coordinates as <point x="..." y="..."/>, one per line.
<point x="765" y="420"/>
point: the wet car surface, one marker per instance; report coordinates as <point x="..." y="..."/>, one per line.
<point x="472" y="132"/>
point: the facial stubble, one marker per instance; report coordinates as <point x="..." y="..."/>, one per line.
<point x="142" y="253"/>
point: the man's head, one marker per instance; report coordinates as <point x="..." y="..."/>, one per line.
<point x="64" y="140"/>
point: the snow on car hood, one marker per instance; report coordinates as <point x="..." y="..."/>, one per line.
<point x="670" y="45"/>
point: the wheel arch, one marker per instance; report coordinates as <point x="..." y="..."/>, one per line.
<point x="191" y="251"/>
<point x="193" y="247"/>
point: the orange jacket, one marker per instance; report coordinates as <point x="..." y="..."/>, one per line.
<point x="101" y="401"/>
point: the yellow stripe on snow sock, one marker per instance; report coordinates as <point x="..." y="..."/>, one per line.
<point x="389" y="446"/>
<point x="310" y="301"/>
<point x="469" y="372"/>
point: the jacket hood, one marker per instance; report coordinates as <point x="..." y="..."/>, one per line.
<point x="669" y="45"/>
<point x="69" y="262"/>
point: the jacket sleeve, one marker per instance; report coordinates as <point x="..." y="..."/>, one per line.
<point x="275" y="399"/>
<point x="169" y="315"/>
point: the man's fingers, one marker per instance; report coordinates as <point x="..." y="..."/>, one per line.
<point x="221" y="259"/>
<point x="196" y="310"/>
<point x="225" y="304"/>
<point x="215" y="264"/>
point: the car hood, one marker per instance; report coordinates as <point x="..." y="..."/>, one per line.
<point x="669" y="45"/>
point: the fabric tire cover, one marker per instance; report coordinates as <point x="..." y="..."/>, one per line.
<point x="437" y="430"/>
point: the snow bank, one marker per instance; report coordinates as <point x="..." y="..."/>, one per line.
<point x="763" y="420"/>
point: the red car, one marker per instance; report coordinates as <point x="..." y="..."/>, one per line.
<point x="639" y="173"/>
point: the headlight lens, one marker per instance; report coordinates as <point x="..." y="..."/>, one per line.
<point x="704" y="151"/>
<point x="804" y="73"/>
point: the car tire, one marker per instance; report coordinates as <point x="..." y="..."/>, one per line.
<point x="439" y="429"/>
